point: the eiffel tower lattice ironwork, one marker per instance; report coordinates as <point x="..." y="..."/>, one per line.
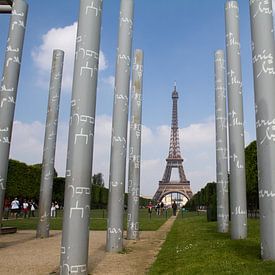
<point x="174" y="160"/>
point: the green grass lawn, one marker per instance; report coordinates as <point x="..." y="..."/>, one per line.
<point x="194" y="247"/>
<point x="98" y="221"/>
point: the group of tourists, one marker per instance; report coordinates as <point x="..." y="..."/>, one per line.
<point x="24" y="208"/>
<point x="54" y="209"/>
<point x="160" y="208"/>
<point x="16" y="208"/>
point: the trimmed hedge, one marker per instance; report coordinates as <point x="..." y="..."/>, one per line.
<point x="23" y="182"/>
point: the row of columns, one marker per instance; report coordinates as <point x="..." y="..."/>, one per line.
<point x="76" y="217"/>
<point x="261" y="17"/>
<point x="77" y="194"/>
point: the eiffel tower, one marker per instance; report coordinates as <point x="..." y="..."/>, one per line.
<point x="174" y="160"/>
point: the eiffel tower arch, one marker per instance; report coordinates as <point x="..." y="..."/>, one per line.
<point x="174" y="160"/>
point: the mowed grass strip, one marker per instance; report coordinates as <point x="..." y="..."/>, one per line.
<point x="98" y="221"/>
<point x="194" y="247"/>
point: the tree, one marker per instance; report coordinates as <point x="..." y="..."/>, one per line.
<point x="205" y="197"/>
<point x="58" y="190"/>
<point x="97" y="179"/>
<point x="23" y="181"/>
<point x="251" y="170"/>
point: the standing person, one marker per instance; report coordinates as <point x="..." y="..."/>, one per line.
<point x="174" y="206"/>
<point x="53" y="211"/>
<point x="161" y="208"/>
<point x="25" y="209"/>
<point x="56" y="208"/>
<point x="150" y="206"/>
<point x="158" y="207"/>
<point x="32" y="213"/>
<point x="15" y="207"/>
<point x="6" y="208"/>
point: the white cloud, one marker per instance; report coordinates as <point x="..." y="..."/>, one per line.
<point x="197" y="147"/>
<point x="27" y="141"/>
<point x="110" y="80"/>
<point x="31" y="149"/>
<point x="64" y="39"/>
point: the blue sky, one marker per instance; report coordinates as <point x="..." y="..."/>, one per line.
<point x="178" y="37"/>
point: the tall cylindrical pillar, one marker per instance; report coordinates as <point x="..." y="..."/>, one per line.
<point x="76" y="217"/>
<point x="261" y="17"/>
<point x="8" y="89"/>
<point x="135" y="148"/>
<point x="221" y="144"/>
<point x="119" y="129"/>
<point x="46" y="187"/>
<point x="5" y="9"/>
<point x="235" y="121"/>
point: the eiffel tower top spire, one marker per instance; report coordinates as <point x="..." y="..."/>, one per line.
<point x="174" y="148"/>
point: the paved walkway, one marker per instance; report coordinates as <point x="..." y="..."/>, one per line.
<point x="22" y="253"/>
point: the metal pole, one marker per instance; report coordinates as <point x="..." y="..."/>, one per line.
<point x="5" y="9"/>
<point x="221" y="144"/>
<point x="8" y="89"/>
<point x="235" y="121"/>
<point x="43" y="228"/>
<point x="76" y="218"/>
<point x="135" y="148"/>
<point x="261" y="18"/>
<point x="119" y="129"/>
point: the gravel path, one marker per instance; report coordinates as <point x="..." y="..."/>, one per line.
<point x="22" y="253"/>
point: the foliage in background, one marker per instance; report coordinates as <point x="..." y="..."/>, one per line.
<point x="97" y="179"/>
<point x="204" y="198"/>
<point x="58" y="190"/>
<point x="251" y="170"/>
<point x="207" y="196"/>
<point x="24" y="182"/>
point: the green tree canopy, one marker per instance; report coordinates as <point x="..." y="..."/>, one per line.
<point x="251" y="170"/>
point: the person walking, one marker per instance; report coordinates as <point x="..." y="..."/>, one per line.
<point x="161" y="208"/>
<point x="25" y="209"/>
<point x="32" y="208"/>
<point x="158" y="208"/>
<point x="174" y="207"/>
<point x="56" y="205"/>
<point x="150" y="206"/>
<point x="53" y="211"/>
<point x="15" y="207"/>
<point x="6" y="208"/>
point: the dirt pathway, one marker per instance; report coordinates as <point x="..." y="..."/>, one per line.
<point x="139" y="255"/>
<point x="21" y="253"/>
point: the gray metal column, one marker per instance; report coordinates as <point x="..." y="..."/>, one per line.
<point x="8" y="89"/>
<point x="119" y="129"/>
<point x="235" y="121"/>
<point x="221" y="144"/>
<point x="264" y="85"/>
<point x="76" y="217"/>
<point x="135" y="148"/>
<point x="6" y="6"/>
<point x="5" y="9"/>
<point x="46" y="187"/>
